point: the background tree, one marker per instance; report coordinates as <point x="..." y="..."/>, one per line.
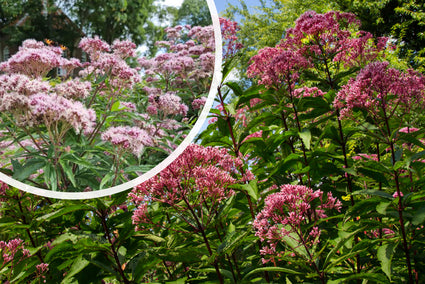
<point x="125" y="19"/>
<point x="194" y="13"/>
<point x="39" y="20"/>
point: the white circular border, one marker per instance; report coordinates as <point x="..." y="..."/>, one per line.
<point x="158" y="168"/>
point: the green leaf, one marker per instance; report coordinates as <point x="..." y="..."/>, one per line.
<point x="50" y="177"/>
<point x="328" y="261"/>
<point x="270" y="269"/>
<point x="224" y="272"/>
<point x="376" y="175"/>
<point x="107" y="178"/>
<point x="29" y="168"/>
<point x="116" y="106"/>
<point x="305" y="136"/>
<point x="63" y="211"/>
<point x="79" y="264"/>
<point x="385" y="255"/>
<point x="151" y="237"/>
<point x="381" y="208"/>
<point x="68" y="171"/>
<point x="419" y="216"/>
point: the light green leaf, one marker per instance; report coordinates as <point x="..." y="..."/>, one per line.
<point x="305" y="136"/>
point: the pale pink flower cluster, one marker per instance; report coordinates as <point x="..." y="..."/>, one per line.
<point x="286" y="213"/>
<point x="124" y="48"/>
<point x="199" y="175"/>
<point x="382" y="91"/>
<point x="52" y="108"/>
<point x="74" y="89"/>
<point x="408" y="129"/>
<point x="168" y="104"/>
<point x="94" y="46"/>
<point x="11" y="248"/>
<point x="32" y="100"/>
<point x="128" y="138"/>
<point x="35" y="60"/>
<point x="103" y="62"/>
<point x="183" y="62"/>
<point x="42" y="268"/>
<point x="257" y="134"/>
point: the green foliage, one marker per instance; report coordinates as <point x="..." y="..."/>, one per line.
<point x="194" y="13"/>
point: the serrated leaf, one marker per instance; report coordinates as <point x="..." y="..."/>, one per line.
<point x="385" y="255"/>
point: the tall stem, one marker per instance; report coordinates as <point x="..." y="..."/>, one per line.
<point x="103" y="217"/>
<point x="400" y="206"/>
<point x="252" y="209"/>
<point x="204" y="236"/>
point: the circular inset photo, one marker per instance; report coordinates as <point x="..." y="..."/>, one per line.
<point x="96" y="99"/>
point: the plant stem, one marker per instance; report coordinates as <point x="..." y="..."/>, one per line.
<point x="103" y="215"/>
<point x="201" y="229"/>
<point x="400" y="204"/>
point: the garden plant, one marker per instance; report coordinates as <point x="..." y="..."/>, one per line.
<point x="310" y="171"/>
<point x="68" y="125"/>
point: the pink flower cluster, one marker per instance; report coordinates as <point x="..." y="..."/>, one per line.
<point x="229" y="30"/>
<point x="308" y="92"/>
<point x="74" y="89"/>
<point x="128" y="138"/>
<point x="382" y="91"/>
<point x="361" y="156"/>
<point x="199" y="175"/>
<point x="168" y="104"/>
<point x="11" y="248"/>
<point x="35" y="60"/>
<point x="103" y="62"/>
<point x="316" y="38"/>
<point x="52" y="108"/>
<point x="182" y="61"/>
<point x="276" y="66"/>
<point x="286" y="212"/>
<point x="199" y="103"/>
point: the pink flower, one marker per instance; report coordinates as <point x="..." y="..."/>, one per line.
<point x="286" y="211"/>
<point x="277" y="66"/>
<point x="33" y="59"/>
<point x="124" y="49"/>
<point x="362" y="156"/>
<point x="133" y="139"/>
<point x="200" y="175"/>
<point x="93" y="46"/>
<point x="395" y="195"/>
<point x="308" y="92"/>
<point x="379" y="89"/>
<point x="52" y="108"/>
<point x="229" y="30"/>
<point x="74" y="88"/>
<point x="408" y="129"/>
<point x="199" y="103"/>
